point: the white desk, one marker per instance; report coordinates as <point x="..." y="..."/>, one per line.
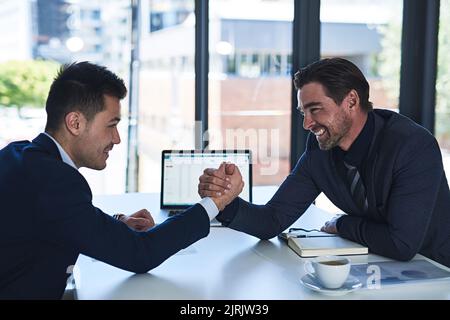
<point x="225" y="265"/>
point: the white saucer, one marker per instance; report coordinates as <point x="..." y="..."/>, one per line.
<point x="350" y="285"/>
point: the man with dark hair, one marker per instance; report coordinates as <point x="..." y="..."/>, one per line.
<point x="379" y="167"/>
<point x="47" y="216"/>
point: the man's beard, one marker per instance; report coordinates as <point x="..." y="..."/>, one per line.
<point x="336" y="132"/>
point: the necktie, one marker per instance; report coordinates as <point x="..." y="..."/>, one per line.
<point x="357" y="189"/>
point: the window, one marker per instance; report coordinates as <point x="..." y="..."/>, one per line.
<point x="368" y="33"/>
<point x="167" y="85"/>
<point x="169" y="13"/>
<point x="249" y="82"/>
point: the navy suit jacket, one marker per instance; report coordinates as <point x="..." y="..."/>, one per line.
<point x="47" y="220"/>
<point x="407" y="193"/>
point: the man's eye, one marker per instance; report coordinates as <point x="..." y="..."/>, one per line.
<point x="313" y="111"/>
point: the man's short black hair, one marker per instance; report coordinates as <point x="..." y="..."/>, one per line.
<point x="338" y="77"/>
<point x="80" y="87"/>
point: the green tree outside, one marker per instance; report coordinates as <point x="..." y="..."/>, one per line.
<point x="26" y="83"/>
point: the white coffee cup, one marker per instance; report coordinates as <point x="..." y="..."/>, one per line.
<point x="331" y="271"/>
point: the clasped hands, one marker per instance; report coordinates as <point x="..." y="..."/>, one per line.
<point x="222" y="185"/>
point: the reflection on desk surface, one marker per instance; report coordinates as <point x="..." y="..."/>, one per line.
<point x="396" y="272"/>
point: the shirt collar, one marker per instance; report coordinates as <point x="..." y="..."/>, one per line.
<point x="64" y="156"/>
<point x="360" y="147"/>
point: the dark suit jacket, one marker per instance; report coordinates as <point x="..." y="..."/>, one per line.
<point x="407" y="191"/>
<point x="47" y="220"/>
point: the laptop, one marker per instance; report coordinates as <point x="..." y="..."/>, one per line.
<point x="180" y="170"/>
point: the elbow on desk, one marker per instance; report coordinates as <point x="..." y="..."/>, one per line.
<point x="404" y="249"/>
<point x="139" y="267"/>
<point x="405" y="255"/>
<point x="144" y="267"/>
<point x="140" y="270"/>
<point x="400" y="254"/>
<point x="269" y="234"/>
<point x="144" y="263"/>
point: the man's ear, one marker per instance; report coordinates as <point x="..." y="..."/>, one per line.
<point x="352" y="99"/>
<point x="75" y="122"/>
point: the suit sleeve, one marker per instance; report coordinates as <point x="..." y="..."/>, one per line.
<point x="69" y="219"/>
<point x="291" y="200"/>
<point x="415" y="185"/>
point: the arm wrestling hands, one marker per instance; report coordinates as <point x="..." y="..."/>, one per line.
<point x="222" y="185"/>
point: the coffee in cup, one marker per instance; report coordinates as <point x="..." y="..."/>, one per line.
<point x="330" y="271"/>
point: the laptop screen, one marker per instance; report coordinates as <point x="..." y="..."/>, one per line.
<point x="181" y="170"/>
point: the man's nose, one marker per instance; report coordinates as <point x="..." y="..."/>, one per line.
<point x="308" y="123"/>
<point x="116" y="137"/>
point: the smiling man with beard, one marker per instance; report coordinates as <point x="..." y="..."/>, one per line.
<point x="379" y="167"/>
<point x="47" y="216"/>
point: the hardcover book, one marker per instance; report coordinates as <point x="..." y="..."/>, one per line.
<point x="319" y="246"/>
